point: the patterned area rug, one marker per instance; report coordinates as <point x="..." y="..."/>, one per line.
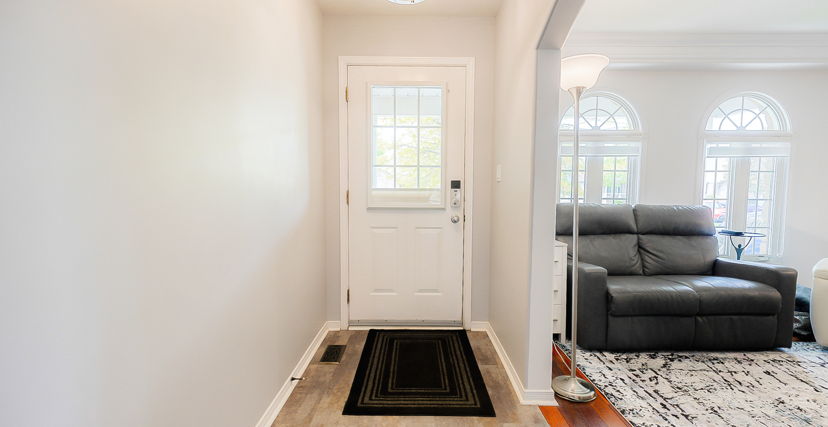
<point x="767" y="388"/>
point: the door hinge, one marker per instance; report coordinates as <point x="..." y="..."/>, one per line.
<point x="347" y="197"/>
<point x="347" y="98"/>
<point x="348" y="296"/>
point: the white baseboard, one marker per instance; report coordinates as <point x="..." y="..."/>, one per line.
<point x="287" y="387"/>
<point x="479" y="326"/>
<point x="526" y="397"/>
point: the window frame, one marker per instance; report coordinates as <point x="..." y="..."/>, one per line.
<point x="602" y="143"/>
<point x="752" y="142"/>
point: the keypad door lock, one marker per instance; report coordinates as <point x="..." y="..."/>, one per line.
<point x="456" y="194"/>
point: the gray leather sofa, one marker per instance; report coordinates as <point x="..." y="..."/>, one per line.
<point x="650" y="278"/>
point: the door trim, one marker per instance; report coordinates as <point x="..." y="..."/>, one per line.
<point x="468" y="173"/>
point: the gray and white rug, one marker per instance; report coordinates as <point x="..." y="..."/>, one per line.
<point x="768" y="388"/>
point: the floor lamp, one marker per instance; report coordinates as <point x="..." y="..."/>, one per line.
<point x="578" y="73"/>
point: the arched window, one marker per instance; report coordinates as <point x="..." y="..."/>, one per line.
<point x="746" y="152"/>
<point x="610" y="136"/>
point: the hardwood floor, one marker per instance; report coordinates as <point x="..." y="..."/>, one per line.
<point x="319" y="399"/>
<point x="599" y="412"/>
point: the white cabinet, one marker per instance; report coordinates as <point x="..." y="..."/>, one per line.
<point x="559" y="289"/>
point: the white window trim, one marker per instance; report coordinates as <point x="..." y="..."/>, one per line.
<point x="740" y="167"/>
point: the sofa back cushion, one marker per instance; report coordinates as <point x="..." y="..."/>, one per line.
<point x="676" y="239"/>
<point x="608" y="236"/>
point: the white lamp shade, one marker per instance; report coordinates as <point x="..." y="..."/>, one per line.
<point x="582" y="70"/>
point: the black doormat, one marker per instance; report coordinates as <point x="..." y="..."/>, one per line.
<point x="418" y="372"/>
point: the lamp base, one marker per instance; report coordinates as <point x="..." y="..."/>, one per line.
<point x="573" y="389"/>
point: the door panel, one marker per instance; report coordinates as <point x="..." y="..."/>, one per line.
<point x="406" y="135"/>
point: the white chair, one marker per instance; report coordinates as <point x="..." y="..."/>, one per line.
<point x="819" y="302"/>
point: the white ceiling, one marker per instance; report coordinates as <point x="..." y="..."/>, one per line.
<point x="428" y="7"/>
<point x="702" y="16"/>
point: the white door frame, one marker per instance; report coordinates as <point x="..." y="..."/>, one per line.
<point x="468" y="173"/>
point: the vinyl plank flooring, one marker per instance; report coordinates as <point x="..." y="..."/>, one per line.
<point x="319" y="399"/>
<point x="483" y="349"/>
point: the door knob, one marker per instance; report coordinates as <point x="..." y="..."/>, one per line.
<point x="455" y="219"/>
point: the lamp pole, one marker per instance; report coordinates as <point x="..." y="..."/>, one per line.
<point x="571" y="387"/>
<point x="578" y="73"/>
<point x="576" y="93"/>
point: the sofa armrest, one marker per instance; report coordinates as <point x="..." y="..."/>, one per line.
<point x="592" y="305"/>
<point x="783" y="279"/>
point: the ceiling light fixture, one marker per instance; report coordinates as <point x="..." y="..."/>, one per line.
<point x="406" y="1"/>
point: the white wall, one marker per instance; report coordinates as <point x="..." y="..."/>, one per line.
<point x="519" y="26"/>
<point x="162" y="229"/>
<point x="423" y="36"/>
<point x="672" y="106"/>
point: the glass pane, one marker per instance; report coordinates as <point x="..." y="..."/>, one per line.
<point x="407" y="101"/>
<point x="407" y="135"/>
<point x="621" y="184"/>
<point x="384" y="146"/>
<point x="765" y="189"/>
<point x="721" y="185"/>
<point x="753" y="184"/>
<point x="430" y="178"/>
<point x="621" y="163"/>
<point x="568" y="121"/>
<point x="720" y="214"/>
<point x="383" y="177"/>
<point x="431" y="107"/>
<point x="763" y="213"/>
<point x="604" y="121"/>
<point x="745" y="113"/>
<point x="609" y="163"/>
<point x="709" y="185"/>
<point x="608" y="184"/>
<point x="406" y="177"/>
<point x="722" y="163"/>
<point x="382" y="104"/>
<point x="407" y="151"/>
<point x="751" y="214"/>
<point x="710" y="163"/>
<point x="767" y="164"/>
<point x="430" y="146"/>
<point x="731" y="121"/>
<point x="566" y="163"/>
<point x="566" y="185"/>
<point x="407" y="146"/>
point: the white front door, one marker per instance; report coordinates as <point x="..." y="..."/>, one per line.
<point x="406" y="133"/>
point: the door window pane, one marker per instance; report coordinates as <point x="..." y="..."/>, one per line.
<point x="407" y="145"/>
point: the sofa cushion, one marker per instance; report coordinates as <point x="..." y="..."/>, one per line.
<point x="728" y="295"/>
<point x="618" y="253"/>
<point x="737" y="332"/>
<point x="638" y="333"/>
<point x="649" y="296"/>
<point x="607" y="236"/>
<point x="676" y="239"/>
<point x="596" y="219"/>
<point x="665" y="254"/>
<point x="674" y="220"/>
